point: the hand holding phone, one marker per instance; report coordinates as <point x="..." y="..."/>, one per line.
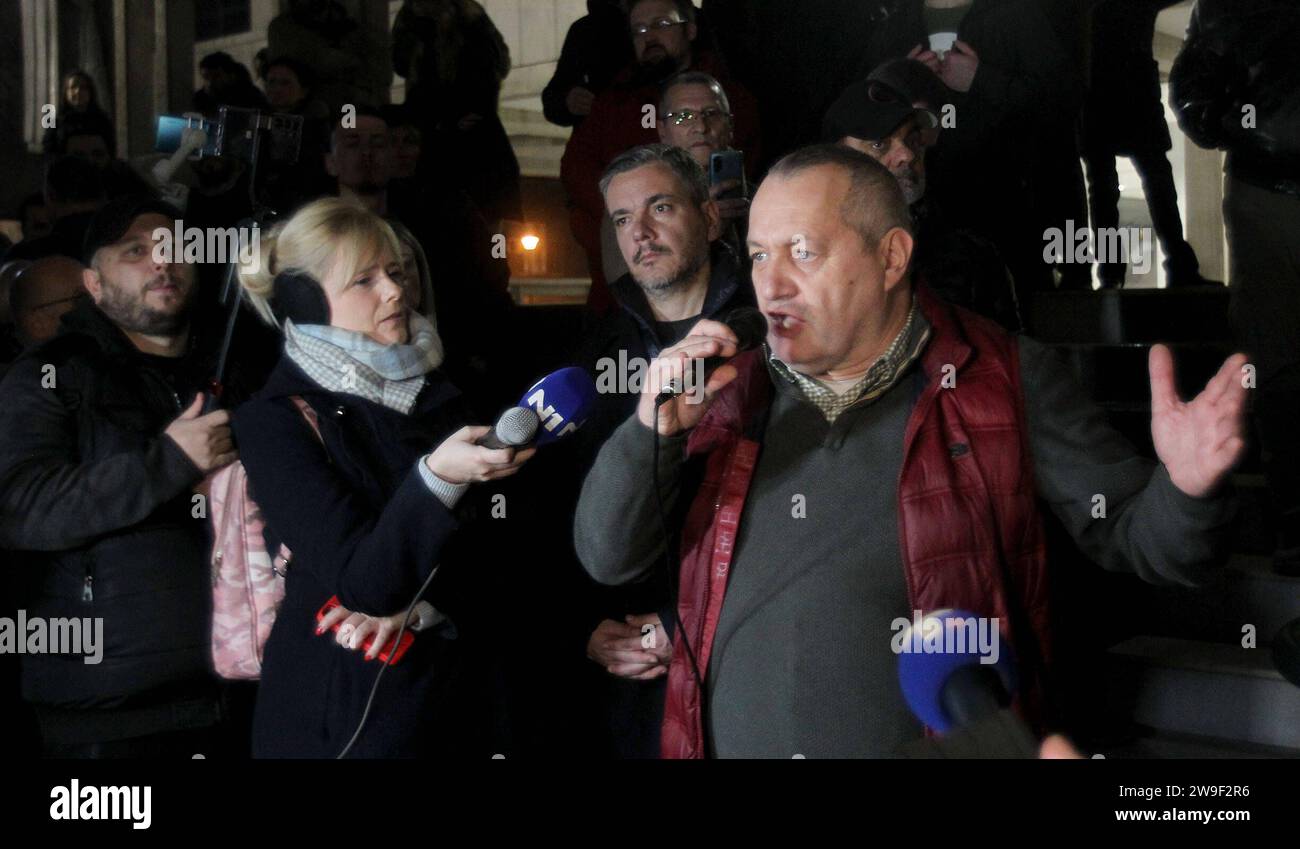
<point x="728" y="166"/>
<point x="337" y="620"/>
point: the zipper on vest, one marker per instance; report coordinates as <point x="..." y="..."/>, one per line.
<point x="88" y="589"/>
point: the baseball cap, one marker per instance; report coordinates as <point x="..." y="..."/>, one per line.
<point x="857" y="113"/>
<point x="113" y="220"/>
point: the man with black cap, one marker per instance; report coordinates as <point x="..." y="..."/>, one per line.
<point x="105" y="449"/>
<point x="896" y="128"/>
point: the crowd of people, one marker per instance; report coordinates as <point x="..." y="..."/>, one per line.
<point x="643" y="587"/>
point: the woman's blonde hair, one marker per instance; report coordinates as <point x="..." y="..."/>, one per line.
<point x="327" y="239"/>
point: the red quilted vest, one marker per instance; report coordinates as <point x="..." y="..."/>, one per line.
<point x="968" y="519"/>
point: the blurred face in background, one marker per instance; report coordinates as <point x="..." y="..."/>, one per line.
<point x="373" y="301"/>
<point x="140" y="294"/>
<point x="90" y="147"/>
<point x="902" y="152"/>
<point x="284" y="90"/>
<point x="53" y="287"/>
<point x="695" y="121"/>
<point x="406" y="151"/>
<point x="361" y="156"/>
<point x="77" y="92"/>
<point x="214" y="79"/>
<point x="661" y="37"/>
<point x="411" y="282"/>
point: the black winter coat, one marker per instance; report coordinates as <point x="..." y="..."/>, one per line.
<point x="362" y="525"/>
<point x="596" y="48"/>
<point x="101" y="505"/>
<point x="1239" y="60"/>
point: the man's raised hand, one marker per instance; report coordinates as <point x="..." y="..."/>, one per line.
<point x="706" y="339"/>
<point x="1200" y="440"/>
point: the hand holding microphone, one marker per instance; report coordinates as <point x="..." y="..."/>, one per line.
<point x="550" y="409"/>
<point x="672" y="385"/>
<point x="464" y="458"/>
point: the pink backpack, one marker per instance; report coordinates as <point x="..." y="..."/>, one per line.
<point x="247" y="583"/>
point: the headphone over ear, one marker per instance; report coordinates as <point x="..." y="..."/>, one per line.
<point x="298" y="296"/>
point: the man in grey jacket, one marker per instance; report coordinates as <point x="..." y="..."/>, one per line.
<point x="809" y="520"/>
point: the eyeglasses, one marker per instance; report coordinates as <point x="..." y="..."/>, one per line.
<point x="685" y="116"/>
<point x="660" y="25"/>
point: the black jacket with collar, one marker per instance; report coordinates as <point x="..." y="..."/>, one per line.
<point x="98" y="505"/>
<point x="630" y="332"/>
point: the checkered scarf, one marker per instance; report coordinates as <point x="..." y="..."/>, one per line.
<point x="350" y="362"/>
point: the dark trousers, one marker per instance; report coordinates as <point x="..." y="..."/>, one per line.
<point x="1162" y="201"/>
<point x="1264" y="309"/>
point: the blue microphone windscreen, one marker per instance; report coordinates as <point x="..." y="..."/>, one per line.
<point x="562" y="400"/>
<point x="945" y="641"/>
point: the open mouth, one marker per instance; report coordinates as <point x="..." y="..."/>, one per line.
<point x="783" y="324"/>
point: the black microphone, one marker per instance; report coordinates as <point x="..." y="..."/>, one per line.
<point x="514" y="428"/>
<point x="750" y="327"/>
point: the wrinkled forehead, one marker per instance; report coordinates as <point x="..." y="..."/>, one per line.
<point x="634" y="188"/>
<point x="807" y="202"/>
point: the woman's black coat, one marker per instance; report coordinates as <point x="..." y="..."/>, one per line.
<point x="362" y="525"/>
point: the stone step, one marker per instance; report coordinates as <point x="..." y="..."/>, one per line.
<point x="1194" y="314"/>
<point x="1149" y="744"/>
<point x="1122" y="372"/>
<point x="1249" y="593"/>
<point x="1202" y="688"/>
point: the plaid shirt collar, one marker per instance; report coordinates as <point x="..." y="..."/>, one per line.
<point x="884" y="372"/>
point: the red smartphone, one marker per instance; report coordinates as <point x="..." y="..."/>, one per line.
<point x="382" y="657"/>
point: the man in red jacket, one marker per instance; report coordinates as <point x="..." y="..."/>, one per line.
<point x="664" y="35"/>
<point x="884" y="453"/>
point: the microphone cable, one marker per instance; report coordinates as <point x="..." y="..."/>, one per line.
<point x="397" y="641"/>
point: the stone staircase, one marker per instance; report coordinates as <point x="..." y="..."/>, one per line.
<point x="538" y="143"/>
<point x="1177" y="680"/>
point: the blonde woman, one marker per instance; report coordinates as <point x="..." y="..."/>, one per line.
<point x="368" y="508"/>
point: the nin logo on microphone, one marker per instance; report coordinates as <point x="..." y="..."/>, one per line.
<point x="562" y="400"/>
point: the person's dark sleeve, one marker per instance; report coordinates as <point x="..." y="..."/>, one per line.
<point x="1204" y="86"/>
<point x="569" y="72"/>
<point x="374" y="559"/>
<point x="1040" y="75"/>
<point x="50" y="500"/>
<point x="1150" y="527"/>
<point x="617" y="531"/>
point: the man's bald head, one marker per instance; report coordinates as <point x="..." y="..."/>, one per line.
<point x="41" y="294"/>
<point x="873" y="205"/>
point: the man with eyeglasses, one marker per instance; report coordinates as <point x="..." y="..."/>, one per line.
<point x="626" y="115"/>
<point x="695" y="115"/>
